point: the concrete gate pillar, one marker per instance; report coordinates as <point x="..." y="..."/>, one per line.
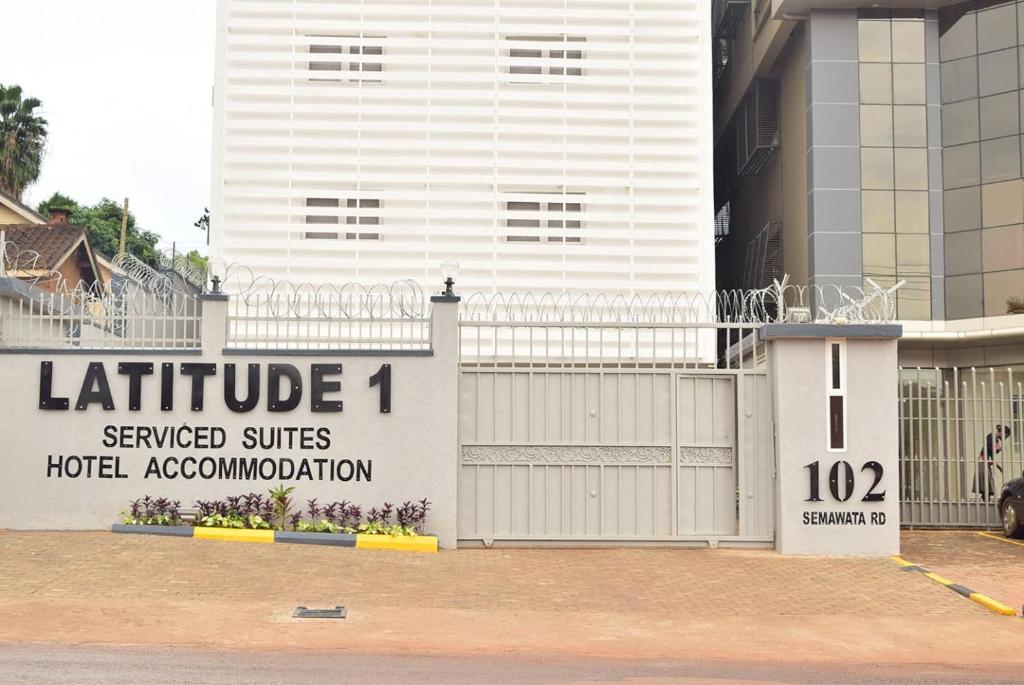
<point x="836" y="437"/>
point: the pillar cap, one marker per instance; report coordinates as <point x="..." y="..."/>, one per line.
<point x="883" y="331"/>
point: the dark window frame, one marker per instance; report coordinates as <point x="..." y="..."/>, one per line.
<point x="836" y="395"/>
<point x="562" y="53"/>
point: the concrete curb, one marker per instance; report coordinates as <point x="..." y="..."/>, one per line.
<point x="174" y="531"/>
<point x="407" y="543"/>
<point x="233" y="534"/>
<point x="330" y="539"/>
<point x="976" y="597"/>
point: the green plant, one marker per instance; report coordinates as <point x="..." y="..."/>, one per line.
<point x="22" y="140"/>
<point x="256" y="522"/>
<point x="159" y="520"/>
<point x="259" y="512"/>
<point x="344" y="515"/>
<point x="410" y="519"/>
<point x="378" y="528"/>
<point x="230" y="520"/>
<point x="103" y="221"/>
<point x="321" y="526"/>
<point x="198" y="261"/>
<point x="150" y="511"/>
<point x="282" y="504"/>
<point x="412" y="515"/>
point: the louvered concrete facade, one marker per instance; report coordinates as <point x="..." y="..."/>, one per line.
<point x="547" y="145"/>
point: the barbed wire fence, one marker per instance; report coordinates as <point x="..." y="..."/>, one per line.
<point x="162" y="306"/>
<point x="270" y="313"/>
<point x="138" y="308"/>
<point x="781" y="302"/>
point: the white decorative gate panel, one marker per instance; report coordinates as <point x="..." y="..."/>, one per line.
<point x="755" y="440"/>
<point x="537" y="407"/>
<point x="706" y="429"/>
<point x="577" y="454"/>
<point x="564" y="501"/>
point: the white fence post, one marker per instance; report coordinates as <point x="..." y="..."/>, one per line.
<point x="213" y="322"/>
<point x="444" y="326"/>
<point x="442" y="390"/>
<point x="837" y="438"/>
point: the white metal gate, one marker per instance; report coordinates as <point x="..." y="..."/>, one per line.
<point x="706" y="471"/>
<point x="949" y="476"/>
<point x="616" y="432"/>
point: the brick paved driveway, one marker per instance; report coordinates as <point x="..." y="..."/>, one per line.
<point x="103" y="588"/>
<point x="991" y="566"/>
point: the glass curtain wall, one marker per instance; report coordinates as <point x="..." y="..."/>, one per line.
<point x="982" y="86"/>
<point x="894" y="156"/>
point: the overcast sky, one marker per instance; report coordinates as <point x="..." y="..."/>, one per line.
<point x="126" y="88"/>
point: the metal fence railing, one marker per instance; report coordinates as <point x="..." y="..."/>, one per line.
<point x="716" y="330"/>
<point x="123" y="315"/>
<point x="161" y="308"/>
<point x="264" y="314"/>
<point x="135" y="307"/>
<point x="606" y="345"/>
<point x="960" y="440"/>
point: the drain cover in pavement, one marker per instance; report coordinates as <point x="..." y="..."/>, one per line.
<point x="303" y="612"/>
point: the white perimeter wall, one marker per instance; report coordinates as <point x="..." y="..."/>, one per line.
<point x="799" y="383"/>
<point x="448" y="136"/>
<point x="413" y="448"/>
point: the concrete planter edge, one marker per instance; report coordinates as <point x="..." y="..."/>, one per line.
<point x="168" y="531"/>
<point x="409" y="543"/>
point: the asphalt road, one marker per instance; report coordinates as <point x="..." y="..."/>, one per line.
<point x="39" y="664"/>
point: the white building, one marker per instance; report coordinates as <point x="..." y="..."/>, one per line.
<point x="544" y="144"/>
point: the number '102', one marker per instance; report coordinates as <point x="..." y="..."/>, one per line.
<point x="841" y="481"/>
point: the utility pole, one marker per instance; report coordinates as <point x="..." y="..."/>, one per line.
<point x="124" y="227"/>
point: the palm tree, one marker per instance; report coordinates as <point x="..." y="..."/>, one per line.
<point x="22" y="137"/>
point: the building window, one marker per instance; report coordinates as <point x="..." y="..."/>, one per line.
<point x="321" y="219"/>
<point x="325" y="64"/>
<point x="557" y="61"/>
<point x="366" y="65"/>
<point x="567" y="210"/>
<point x="836" y="395"/>
<point x="523" y="222"/>
<point x="360" y="219"/>
<point x="562" y="216"/>
<point x="360" y="63"/>
<point x="356" y="219"/>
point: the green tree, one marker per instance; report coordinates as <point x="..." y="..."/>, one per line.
<point x="22" y="138"/>
<point x="198" y="261"/>
<point x="103" y="220"/>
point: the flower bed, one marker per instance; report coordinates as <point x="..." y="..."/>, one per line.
<point x="255" y="517"/>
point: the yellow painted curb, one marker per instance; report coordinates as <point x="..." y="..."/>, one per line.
<point x="233" y="534"/>
<point x="408" y="543"/>
<point x="989" y="603"/>
<point x="1001" y="539"/>
<point x="978" y="598"/>
<point x="938" y="579"/>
